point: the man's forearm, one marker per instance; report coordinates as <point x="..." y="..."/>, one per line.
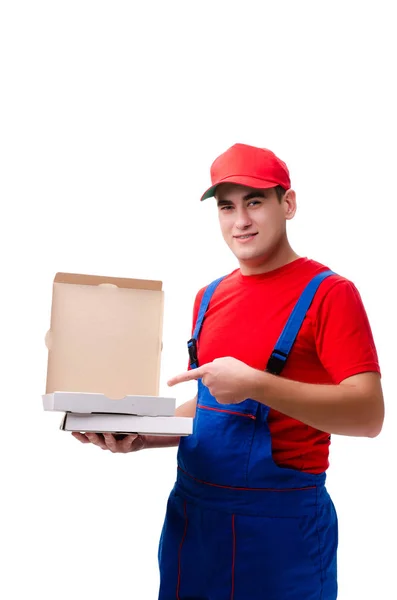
<point x="188" y="409"/>
<point x="160" y="441"/>
<point x="344" y="409"/>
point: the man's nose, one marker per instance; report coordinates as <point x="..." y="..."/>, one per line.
<point x="243" y="219"/>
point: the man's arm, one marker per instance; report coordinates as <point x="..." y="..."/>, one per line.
<point x="354" y="407"/>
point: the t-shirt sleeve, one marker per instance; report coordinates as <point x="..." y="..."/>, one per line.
<point x="343" y="335"/>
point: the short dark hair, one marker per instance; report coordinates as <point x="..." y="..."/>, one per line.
<point x="280" y="191"/>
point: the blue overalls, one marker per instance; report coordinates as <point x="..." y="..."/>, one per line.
<point x="239" y="527"/>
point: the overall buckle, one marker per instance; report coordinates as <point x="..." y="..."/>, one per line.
<point x="276" y="362"/>
<point x="192" y="348"/>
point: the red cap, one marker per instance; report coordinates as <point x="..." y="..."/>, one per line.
<point x="249" y="166"/>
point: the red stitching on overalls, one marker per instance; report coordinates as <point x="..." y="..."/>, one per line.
<point x="230" y="412"/>
<point x="243" y="489"/>
<point x="234" y="556"/>
<point x="180" y="551"/>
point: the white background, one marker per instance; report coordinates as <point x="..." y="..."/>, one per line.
<point x="111" y="114"/>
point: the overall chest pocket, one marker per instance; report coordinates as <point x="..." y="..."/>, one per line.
<point x="218" y="451"/>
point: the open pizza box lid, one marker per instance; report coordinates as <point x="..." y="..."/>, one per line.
<point x="104" y="346"/>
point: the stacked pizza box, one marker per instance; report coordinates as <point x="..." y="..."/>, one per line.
<point x="104" y="355"/>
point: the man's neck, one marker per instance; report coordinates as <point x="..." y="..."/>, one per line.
<point x="269" y="263"/>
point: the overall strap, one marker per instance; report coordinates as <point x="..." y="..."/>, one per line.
<point x="192" y="343"/>
<point x="278" y="357"/>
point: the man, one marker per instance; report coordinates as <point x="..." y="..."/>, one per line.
<point x="284" y="357"/>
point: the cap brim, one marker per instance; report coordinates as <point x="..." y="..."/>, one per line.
<point x="251" y="182"/>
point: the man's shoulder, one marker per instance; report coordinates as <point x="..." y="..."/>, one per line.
<point x="229" y="278"/>
<point x="315" y="268"/>
<point x="337" y="288"/>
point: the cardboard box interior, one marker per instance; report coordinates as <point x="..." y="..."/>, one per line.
<point x="105" y="336"/>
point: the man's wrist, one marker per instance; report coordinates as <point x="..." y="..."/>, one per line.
<point x="257" y="385"/>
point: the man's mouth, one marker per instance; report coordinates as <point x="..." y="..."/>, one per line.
<point x="246" y="236"/>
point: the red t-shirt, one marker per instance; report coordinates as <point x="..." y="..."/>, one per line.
<point x="244" y="320"/>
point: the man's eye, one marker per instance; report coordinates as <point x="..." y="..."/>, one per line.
<point x="254" y="202"/>
<point x="226" y="207"/>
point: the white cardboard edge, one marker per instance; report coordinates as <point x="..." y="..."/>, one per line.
<point x="86" y="402"/>
<point x="145" y="430"/>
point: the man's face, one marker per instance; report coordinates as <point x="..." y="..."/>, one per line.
<point x="253" y="222"/>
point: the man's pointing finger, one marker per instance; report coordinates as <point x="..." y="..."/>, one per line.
<point x="187" y="376"/>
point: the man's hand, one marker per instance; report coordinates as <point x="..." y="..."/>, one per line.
<point x="107" y="441"/>
<point x="229" y="380"/>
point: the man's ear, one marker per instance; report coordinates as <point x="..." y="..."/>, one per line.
<point x="289" y="202"/>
